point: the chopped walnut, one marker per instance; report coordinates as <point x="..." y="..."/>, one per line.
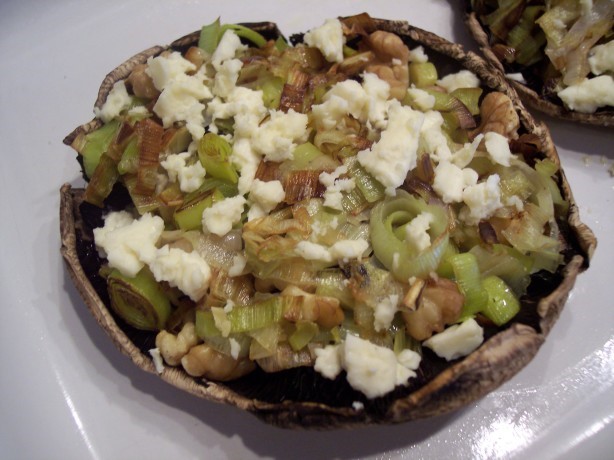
<point x="498" y="115"/>
<point x="388" y="46"/>
<point x="439" y="304"/>
<point x="204" y="361"/>
<point x="174" y="347"/>
<point x="325" y="311"/>
<point x="392" y="56"/>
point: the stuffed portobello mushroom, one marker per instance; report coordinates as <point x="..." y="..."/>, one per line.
<point x="359" y="225"/>
<point x="558" y="54"/>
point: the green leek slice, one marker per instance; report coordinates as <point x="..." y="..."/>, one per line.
<point x="95" y="144"/>
<point x="422" y="74"/>
<point x="502" y="304"/>
<point x="304" y="333"/>
<point x="139" y="301"/>
<point x="389" y="244"/>
<point x="189" y="215"/>
<point x="468" y="279"/>
<point x="214" y="154"/>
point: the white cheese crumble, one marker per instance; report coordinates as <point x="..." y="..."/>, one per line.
<point x="498" y="148"/>
<point x="416" y="232"/>
<point x="235" y="348"/>
<point x="340" y="250"/>
<point x="358" y="406"/>
<point x="344" y="98"/>
<point x="450" y="181"/>
<point x="421" y="99"/>
<point x="517" y="76"/>
<point x="166" y="68"/>
<point x="264" y="197"/>
<point x="335" y="186"/>
<point x="601" y="58"/>
<point x="328" y="361"/>
<point x="244" y="105"/>
<point x="328" y="38"/>
<point x="432" y="138"/>
<point x="129" y="244"/>
<point x="238" y="265"/>
<point x="590" y="94"/>
<point x="158" y="362"/>
<point x="276" y="138"/>
<point x="181" y="101"/>
<point x="189" y="177"/>
<point x="395" y="153"/>
<point x="117" y="100"/>
<point x="384" y="312"/>
<point x="221" y="216"/>
<point x="462" y="79"/>
<point x="185" y="270"/>
<point x="227" y="48"/>
<point x="456" y="341"/>
<point x="372" y="369"/>
<point x="418" y="55"/>
<point x="246" y="161"/>
<point x="482" y="199"/>
<point x="226" y="77"/>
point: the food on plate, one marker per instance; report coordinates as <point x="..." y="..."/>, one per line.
<point x="558" y="54"/>
<point x="363" y="225"/>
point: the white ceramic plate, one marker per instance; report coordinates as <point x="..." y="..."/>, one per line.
<point x="66" y="392"/>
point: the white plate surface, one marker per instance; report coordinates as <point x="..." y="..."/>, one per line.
<point x="67" y="393"/>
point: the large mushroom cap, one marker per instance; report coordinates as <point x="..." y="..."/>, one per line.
<point x="301" y="398"/>
<point x="603" y="117"/>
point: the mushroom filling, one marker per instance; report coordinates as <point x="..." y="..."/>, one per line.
<point x="336" y="204"/>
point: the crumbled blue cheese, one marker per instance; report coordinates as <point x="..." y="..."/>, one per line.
<point x="456" y="341"/>
<point x="372" y="369"/>
<point x="181" y="101"/>
<point x="156" y="357"/>
<point x="384" y="311"/>
<point x="344" y="98"/>
<point x="235" y="348"/>
<point x="328" y="362"/>
<point x="482" y="200"/>
<point x="417" y="231"/>
<point x="340" y="250"/>
<point x="421" y="99"/>
<point x="378" y="93"/>
<point x="276" y="138"/>
<point x="395" y="153"/>
<point x="333" y="195"/>
<point x="129" y="244"/>
<point x="189" y="177"/>
<point x="418" y="55"/>
<point x="246" y="161"/>
<point x="432" y="139"/>
<point x="239" y="261"/>
<point x="328" y="38"/>
<point x="221" y="216"/>
<point x="264" y="196"/>
<point x="227" y="48"/>
<point x="498" y="148"/>
<point x="590" y="94"/>
<point x="367" y="102"/>
<point x="186" y="271"/>
<point x="450" y="181"/>
<point x="117" y="100"/>
<point x="462" y="79"/>
<point x="166" y="68"/>
<point x="516" y="77"/>
<point x="601" y="58"/>
<point x="225" y="79"/>
<point x="244" y="105"/>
